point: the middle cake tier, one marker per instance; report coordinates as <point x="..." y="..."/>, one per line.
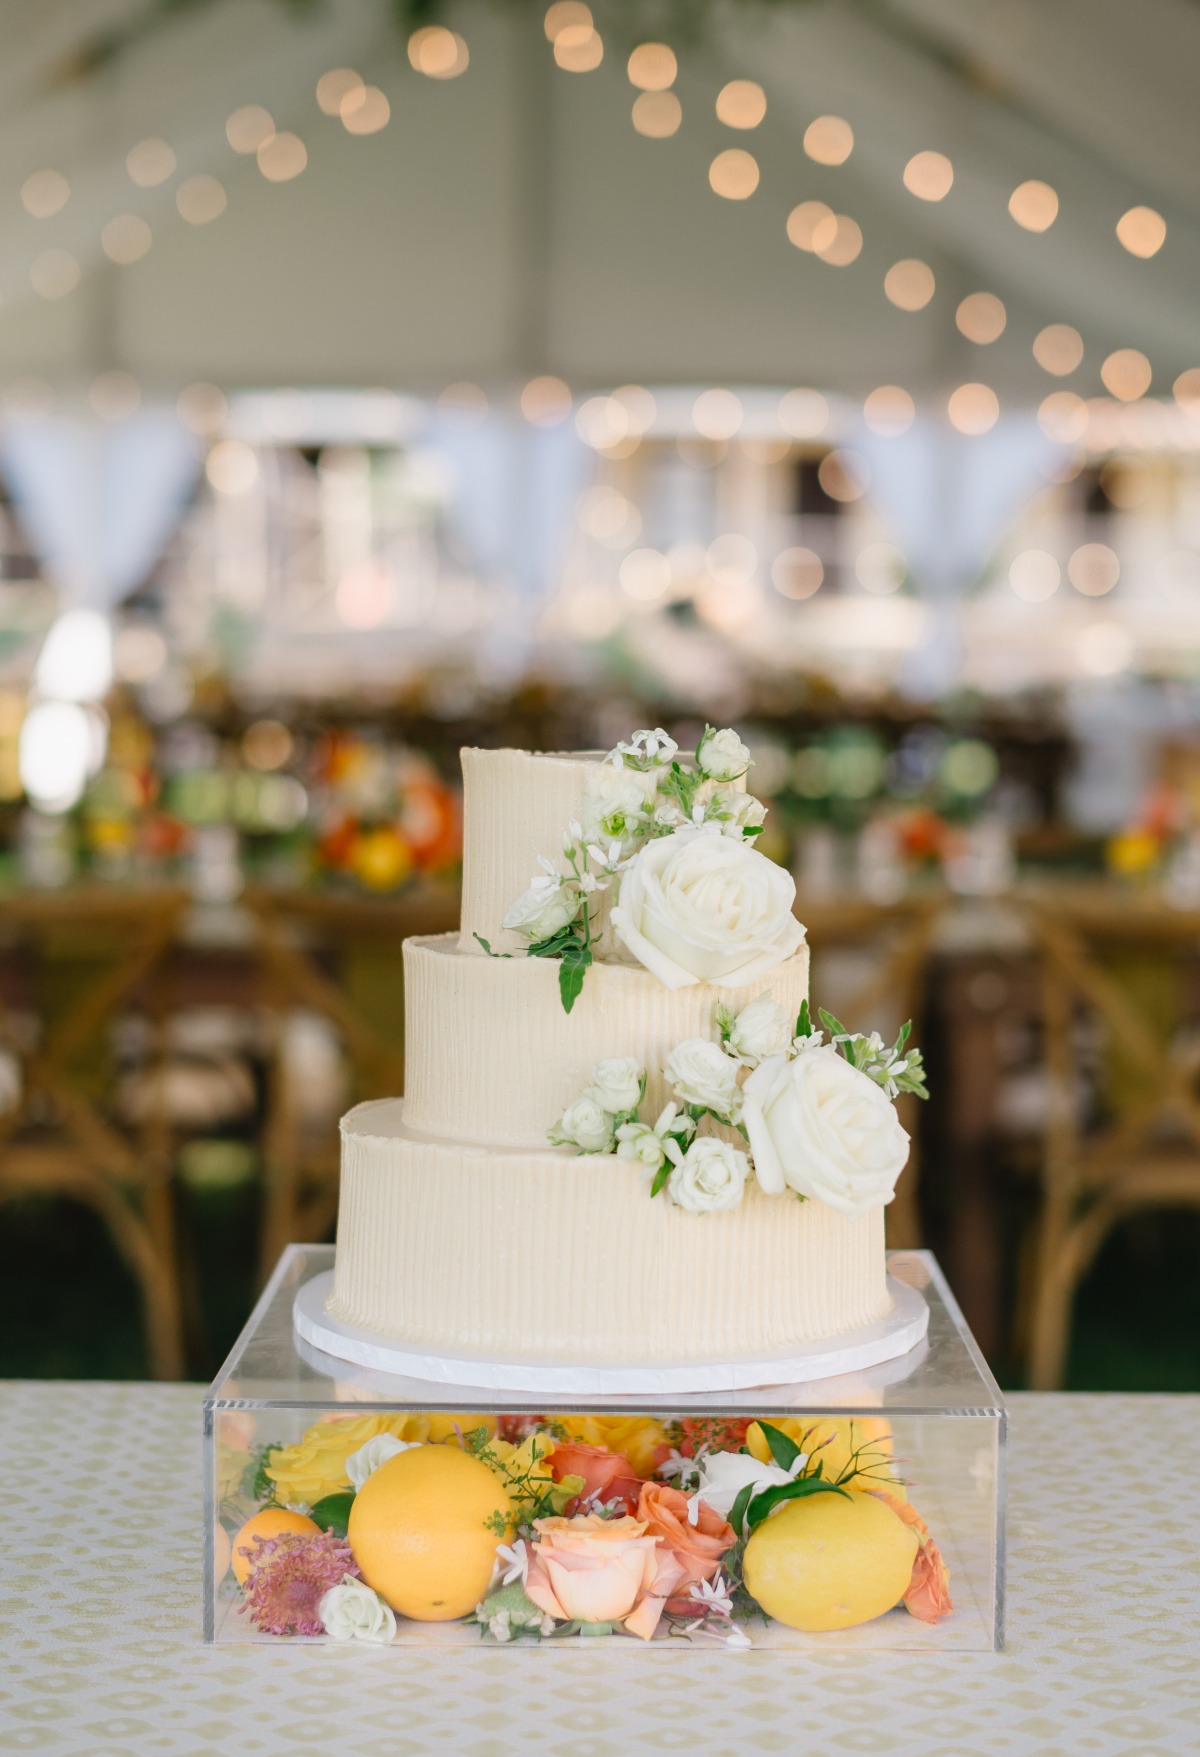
<point x="491" y="1057"/>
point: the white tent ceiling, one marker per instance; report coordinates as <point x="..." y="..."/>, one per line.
<point x="511" y="221"/>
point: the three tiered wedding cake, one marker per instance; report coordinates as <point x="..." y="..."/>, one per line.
<point x="623" y="1138"/>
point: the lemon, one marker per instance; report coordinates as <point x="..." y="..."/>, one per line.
<point x="271" y="1522"/>
<point x="830" y="1561"/>
<point x="424" y="1529"/>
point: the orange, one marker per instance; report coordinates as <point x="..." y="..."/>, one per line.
<point x="424" y="1529"/>
<point x="271" y="1522"/>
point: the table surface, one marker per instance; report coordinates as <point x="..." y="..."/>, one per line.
<point x="100" y="1650"/>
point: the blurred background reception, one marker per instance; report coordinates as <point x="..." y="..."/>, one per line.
<point x="383" y="376"/>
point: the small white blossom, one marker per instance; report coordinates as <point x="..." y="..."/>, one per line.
<point x="645" y="750"/>
<point x="714" y="1595"/>
<point x="361" y="1464"/>
<point x="499" y="1627"/>
<point x="512" y="1563"/>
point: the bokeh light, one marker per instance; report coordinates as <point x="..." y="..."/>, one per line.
<point x="1127" y="374"/>
<point x="1093" y="569"/>
<point x="981" y="317"/>
<point x="742" y="103"/>
<point x="829" y="140"/>
<point x="929" y="176"/>
<point x="734" y="174"/>
<point x="973" y="408"/>
<point x="797" y="572"/>
<point x="1034" y="205"/>
<point x="150" y="162"/>
<point x="1034" y="575"/>
<point x="1142" y="231"/>
<point x="909" y="284"/>
<point x="1058" y="349"/>
<point x="438" y="53"/>
<point x="652" y="67"/>
<point x="889" y="411"/>
<point x="657" y="115"/>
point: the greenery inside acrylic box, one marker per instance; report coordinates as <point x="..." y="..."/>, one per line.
<point x="862" y="1512"/>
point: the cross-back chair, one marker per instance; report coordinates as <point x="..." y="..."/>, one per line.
<point x="1118" y="969"/>
<point x="73" y="963"/>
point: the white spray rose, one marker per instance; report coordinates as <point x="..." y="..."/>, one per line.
<point x="710" y="1177"/>
<point x="584" y="1124"/>
<point x="721" y="755"/>
<point x="734" y="811"/>
<point x="377" y="1451"/>
<point x="699" y="1072"/>
<point x="617" y="1084"/>
<point x="352" y="1612"/>
<point x="616" y="808"/>
<point x="543" y="909"/>
<point x="697" y="906"/>
<point x="639" y="1142"/>
<point x="825" y="1129"/>
<point x="723" y="1476"/>
<point x="760" y="1030"/>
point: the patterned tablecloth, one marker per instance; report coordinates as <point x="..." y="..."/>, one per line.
<point x="100" y="1651"/>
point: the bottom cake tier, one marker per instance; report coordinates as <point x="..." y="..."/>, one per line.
<point x="497" y="1253"/>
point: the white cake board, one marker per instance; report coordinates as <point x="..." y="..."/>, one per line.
<point x="851" y="1352"/>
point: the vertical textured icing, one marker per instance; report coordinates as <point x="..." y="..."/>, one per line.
<point x="516" y="805"/>
<point x="541" y="1255"/>
<point x="517" y="1059"/>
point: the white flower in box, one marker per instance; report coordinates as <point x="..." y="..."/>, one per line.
<point x="699" y="1072"/>
<point x="617" y="1084"/>
<point x="760" y="1030"/>
<point x="710" y="1177"/>
<point x="723" y="1476"/>
<point x="721" y="755"/>
<point x="825" y="1129"/>
<point x="352" y="1612"/>
<point x="377" y="1451"/>
<point x="697" y="906"/>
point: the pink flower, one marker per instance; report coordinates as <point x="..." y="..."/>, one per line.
<point x="607" y="1476"/>
<point x="594" y="1570"/>
<point x="289" y="1575"/>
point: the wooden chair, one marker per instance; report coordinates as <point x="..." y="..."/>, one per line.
<point x="308" y="942"/>
<point x="1140" y="1147"/>
<point x="59" y="1138"/>
<point x="898" y="938"/>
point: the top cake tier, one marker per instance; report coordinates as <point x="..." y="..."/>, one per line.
<point x="516" y="806"/>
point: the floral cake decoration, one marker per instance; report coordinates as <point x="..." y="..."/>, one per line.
<point x="673" y="840"/>
<point x="698" y="1529"/>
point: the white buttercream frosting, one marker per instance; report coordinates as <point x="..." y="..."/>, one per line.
<point x="541" y="1254"/>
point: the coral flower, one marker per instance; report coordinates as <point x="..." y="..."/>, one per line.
<point x="697" y="1548"/>
<point x="594" y="1570"/>
<point x="289" y="1575"/>
<point x="607" y="1476"/>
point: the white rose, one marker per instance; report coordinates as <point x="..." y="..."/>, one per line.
<point x="615" y="808"/>
<point x="721" y="755"/>
<point x="352" y="1612"/>
<point x="585" y="1125"/>
<point x="760" y="1030"/>
<point x="723" y="1476"/>
<point x="639" y="1142"/>
<point x="697" y="906"/>
<point x="377" y="1451"/>
<point x="543" y="909"/>
<point x="734" y="811"/>
<point x="709" y="1178"/>
<point x="699" y="1072"/>
<point x="824" y="1128"/>
<point x="617" y="1084"/>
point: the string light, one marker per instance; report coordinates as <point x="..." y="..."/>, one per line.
<point x="249" y="128"/>
<point x="1034" y="205"/>
<point x="150" y="163"/>
<point x="334" y="86"/>
<point x="845" y="246"/>
<point x="546" y="401"/>
<point x="812" y="225"/>
<point x="567" y="15"/>
<point x="125" y="239"/>
<point x="1126" y="374"/>
<point x="981" y="317"/>
<point x="652" y="67"/>
<point x="282" y="157"/>
<point x="844" y="475"/>
<point x="797" y="573"/>
<point x="829" y="140"/>
<point x="438" y="53"/>
<point x="1094" y="569"/>
<point x="365" y="110"/>
<point x="1142" y="231"/>
<point x="1063" y="416"/>
<point x="717" y="414"/>
<point x="929" y="176"/>
<point x="741" y="104"/>
<point x="1058" y="349"/>
<point x="803" y="413"/>
<point x="54" y="274"/>
<point x="200" y="199"/>
<point x="909" y="284"/>
<point x="1187" y="390"/>
<point x="578" y="49"/>
<point x="973" y="408"/>
<point x="889" y="411"/>
<point x="734" y="174"/>
<point x="657" y="115"/>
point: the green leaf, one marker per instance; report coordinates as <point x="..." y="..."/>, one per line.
<point x="804" y="1022"/>
<point x="783" y="1450"/>
<point x="487" y="948"/>
<point x="834" y="1026"/>
<point x="737" y="1513"/>
<point x="660" y="1177"/>
<point x="752" y="830"/>
<point x="332" y="1512"/>
<point x="570" y="982"/>
<point x="797" y="1490"/>
<point x="902" y="1039"/>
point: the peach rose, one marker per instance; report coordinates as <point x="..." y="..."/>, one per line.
<point x="607" y="1476"/>
<point x="594" y="1570"/>
<point x="928" y="1594"/>
<point x="697" y="1548"/>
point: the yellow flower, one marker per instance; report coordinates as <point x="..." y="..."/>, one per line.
<point x="316" y="1465"/>
<point x="637" y="1436"/>
<point x="830" y="1440"/>
<point x="526" y="1474"/>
